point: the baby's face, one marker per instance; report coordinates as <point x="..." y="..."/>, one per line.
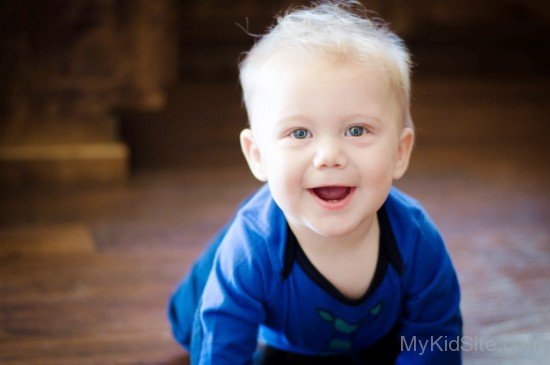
<point x="329" y="140"/>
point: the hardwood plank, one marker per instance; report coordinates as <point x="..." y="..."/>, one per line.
<point x="67" y="238"/>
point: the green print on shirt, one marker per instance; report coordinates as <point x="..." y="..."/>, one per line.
<point x="343" y="331"/>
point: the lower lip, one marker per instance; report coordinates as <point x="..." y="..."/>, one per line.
<point x="333" y="205"/>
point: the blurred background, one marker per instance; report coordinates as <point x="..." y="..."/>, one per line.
<point x="119" y="159"/>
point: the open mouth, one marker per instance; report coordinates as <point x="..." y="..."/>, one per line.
<point x="332" y="197"/>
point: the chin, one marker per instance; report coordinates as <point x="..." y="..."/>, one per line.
<point x="333" y="230"/>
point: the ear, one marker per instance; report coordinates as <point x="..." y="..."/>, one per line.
<point x="252" y="154"/>
<point x="404" y="149"/>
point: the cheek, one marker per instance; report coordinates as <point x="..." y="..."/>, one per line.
<point x="281" y="162"/>
<point x="377" y="166"/>
<point x="285" y="174"/>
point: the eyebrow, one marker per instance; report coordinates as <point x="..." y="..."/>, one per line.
<point x="293" y="118"/>
<point x="362" y="116"/>
<point x="303" y="118"/>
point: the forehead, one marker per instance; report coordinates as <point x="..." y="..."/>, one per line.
<point x="319" y="64"/>
<point x="335" y="84"/>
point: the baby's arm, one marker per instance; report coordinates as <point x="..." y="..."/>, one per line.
<point x="184" y="301"/>
<point x="431" y="307"/>
<point x="232" y="306"/>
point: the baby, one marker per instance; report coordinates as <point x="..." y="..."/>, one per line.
<point x="327" y="263"/>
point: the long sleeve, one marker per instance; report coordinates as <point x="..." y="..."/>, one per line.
<point x="232" y="306"/>
<point x="431" y="326"/>
<point x="184" y="302"/>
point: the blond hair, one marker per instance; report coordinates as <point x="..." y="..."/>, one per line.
<point x="336" y="29"/>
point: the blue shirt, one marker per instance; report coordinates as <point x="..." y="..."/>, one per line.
<point x="256" y="284"/>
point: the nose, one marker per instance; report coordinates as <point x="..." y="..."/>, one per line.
<point x="329" y="154"/>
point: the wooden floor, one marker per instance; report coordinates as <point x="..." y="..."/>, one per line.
<point x="85" y="272"/>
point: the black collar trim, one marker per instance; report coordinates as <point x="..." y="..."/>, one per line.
<point x="389" y="243"/>
<point x="388" y="253"/>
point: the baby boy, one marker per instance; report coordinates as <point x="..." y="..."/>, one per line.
<point x="327" y="263"/>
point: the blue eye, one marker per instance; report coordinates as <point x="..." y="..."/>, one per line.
<point x="356" y="131"/>
<point x="300" y="133"/>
